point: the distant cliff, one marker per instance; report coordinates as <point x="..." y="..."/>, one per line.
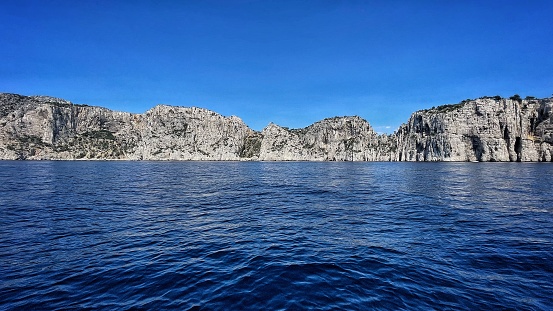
<point x="41" y="127"/>
<point x="486" y="129"/>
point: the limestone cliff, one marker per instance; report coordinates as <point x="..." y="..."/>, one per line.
<point x="486" y="129"/>
<point x="176" y="133"/>
<point x="333" y="139"/>
<point x="49" y="128"/>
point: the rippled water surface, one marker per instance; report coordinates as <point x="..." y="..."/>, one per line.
<point x="258" y="236"/>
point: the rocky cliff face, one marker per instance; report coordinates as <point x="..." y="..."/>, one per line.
<point x="176" y="133"/>
<point x="334" y="139"/>
<point x="487" y="129"/>
<point x="49" y="128"/>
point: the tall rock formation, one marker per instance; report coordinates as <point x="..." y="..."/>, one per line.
<point x="486" y="129"/>
<point x="177" y="133"/>
<point x="333" y="139"/>
<point x="41" y="127"/>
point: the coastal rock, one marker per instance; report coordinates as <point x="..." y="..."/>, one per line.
<point x="485" y="129"/>
<point x="48" y="128"/>
<point x="333" y="139"/>
<point x="177" y="133"/>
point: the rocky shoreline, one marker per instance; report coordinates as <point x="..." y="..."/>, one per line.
<point x="484" y="129"/>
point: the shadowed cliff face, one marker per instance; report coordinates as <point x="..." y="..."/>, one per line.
<point x="40" y="127"/>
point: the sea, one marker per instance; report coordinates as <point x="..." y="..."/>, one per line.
<point x="138" y="235"/>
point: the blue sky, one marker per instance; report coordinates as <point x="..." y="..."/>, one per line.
<point x="287" y="62"/>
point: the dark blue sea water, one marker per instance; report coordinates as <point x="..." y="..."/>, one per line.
<point x="274" y="236"/>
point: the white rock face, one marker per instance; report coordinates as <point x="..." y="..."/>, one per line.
<point x="333" y="139"/>
<point x="487" y="129"/>
<point x="479" y="130"/>
<point x="48" y="128"/>
<point x="176" y="133"/>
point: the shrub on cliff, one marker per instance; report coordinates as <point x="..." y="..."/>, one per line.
<point x="516" y="97"/>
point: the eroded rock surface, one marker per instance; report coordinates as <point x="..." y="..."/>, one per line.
<point x="48" y="128"/>
<point x="486" y="129"/>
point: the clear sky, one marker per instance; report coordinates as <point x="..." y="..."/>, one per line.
<point x="288" y="62"/>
